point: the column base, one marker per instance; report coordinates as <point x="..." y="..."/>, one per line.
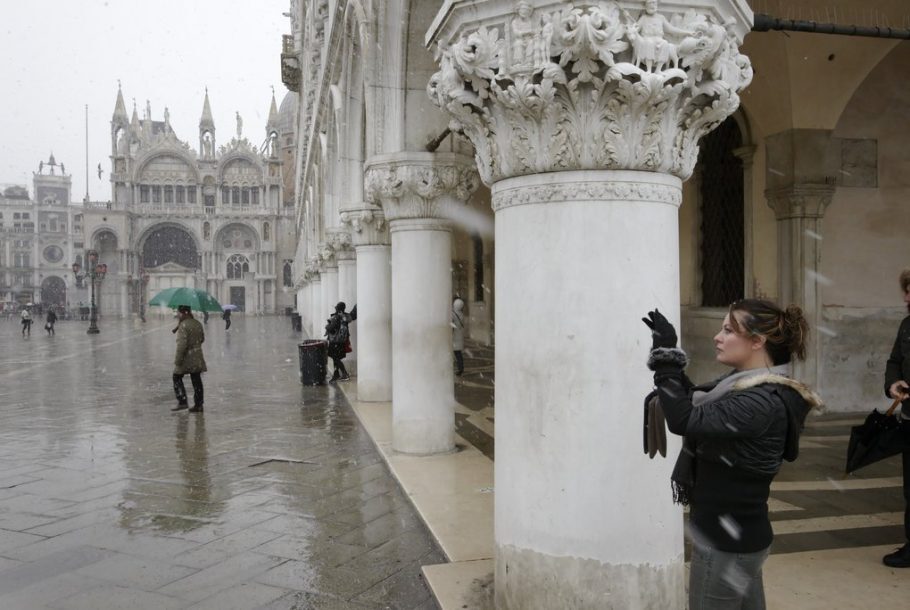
<point x="528" y="580"/>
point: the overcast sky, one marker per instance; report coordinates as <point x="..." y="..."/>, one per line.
<point x="59" y="55"/>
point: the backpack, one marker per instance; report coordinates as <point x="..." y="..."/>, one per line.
<point x="341" y="333"/>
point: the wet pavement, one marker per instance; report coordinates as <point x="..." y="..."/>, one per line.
<point x="273" y="498"/>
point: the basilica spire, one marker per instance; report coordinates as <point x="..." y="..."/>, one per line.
<point x="120" y="117"/>
<point x="207" y="130"/>
<point x="134" y="122"/>
<point x="272" y="125"/>
<point x="206" y="122"/>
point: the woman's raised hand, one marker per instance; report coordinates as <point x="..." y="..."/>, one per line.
<point x="662" y="332"/>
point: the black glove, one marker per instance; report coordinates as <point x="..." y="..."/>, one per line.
<point x="662" y="332"/>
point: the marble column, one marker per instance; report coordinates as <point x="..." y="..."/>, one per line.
<point x="417" y="192"/>
<point x="317" y="324"/>
<point x="584" y="135"/>
<point x="329" y="282"/>
<point x="799" y="210"/>
<point x="347" y="287"/>
<point x="370" y="237"/>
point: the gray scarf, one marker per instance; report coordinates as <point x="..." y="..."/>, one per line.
<point x="725" y="384"/>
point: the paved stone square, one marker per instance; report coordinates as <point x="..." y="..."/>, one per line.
<point x="273" y="498"/>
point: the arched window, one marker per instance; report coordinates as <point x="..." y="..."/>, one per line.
<point x="288" y="278"/>
<point x="266" y="231"/>
<point x="478" y="267"/>
<point x="237" y="265"/>
<point x="722" y="217"/>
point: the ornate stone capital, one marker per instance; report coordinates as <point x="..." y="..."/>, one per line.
<point x="327" y="256"/>
<point x="542" y="86"/>
<point x="420" y="185"/>
<point x="368" y="227"/>
<point x="312" y="269"/>
<point x="339" y="239"/>
<point x="800" y="200"/>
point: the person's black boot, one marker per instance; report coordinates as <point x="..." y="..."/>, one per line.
<point x="180" y="406"/>
<point x="899" y="558"/>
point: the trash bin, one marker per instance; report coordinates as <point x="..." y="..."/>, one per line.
<point x="313" y="362"/>
<point x="296" y="322"/>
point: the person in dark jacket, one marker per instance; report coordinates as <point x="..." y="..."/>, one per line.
<point x="189" y="360"/>
<point x="49" y="322"/>
<point x="737" y="430"/>
<point x="226" y="316"/>
<point x="338" y="335"/>
<point x="897" y="376"/>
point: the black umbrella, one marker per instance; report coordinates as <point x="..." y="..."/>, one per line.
<point x="879" y="437"/>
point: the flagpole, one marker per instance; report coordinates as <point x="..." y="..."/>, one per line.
<point x="86" y="154"/>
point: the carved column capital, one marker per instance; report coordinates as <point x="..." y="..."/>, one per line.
<point x="339" y="238"/>
<point x="542" y="86"/>
<point x="413" y="185"/>
<point x="368" y="226"/>
<point x="312" y="269"/>
<point x="800" y="200"/>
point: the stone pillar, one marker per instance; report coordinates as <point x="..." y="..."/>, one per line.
<point x="317" y="328"/>
<point x="584" y="130"/>
<point x="347" y="287"/>
<point x="370" y="236"/>
<point x="417" y="192"/>
<point x="799" y="210"/>
<point x="329" y="281"/>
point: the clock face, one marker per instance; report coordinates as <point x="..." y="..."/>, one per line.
<point x="53" y="254"/>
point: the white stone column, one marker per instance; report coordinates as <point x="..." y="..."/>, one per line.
<point x="799" y="210"/>
<point x="370" y="236"/>
<point x="329" y="281"/>
<point x="417" y="192"/>
<point x="317" y="323"/>
<point x="347" y="290"/>
<point x="584" y="135"/>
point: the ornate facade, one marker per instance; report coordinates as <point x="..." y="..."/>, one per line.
<point x="40" y="237"/>
<point x="215" y="217"/>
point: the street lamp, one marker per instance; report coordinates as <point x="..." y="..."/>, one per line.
<point x="95" y="271"/>
<point x="140" y="284"/>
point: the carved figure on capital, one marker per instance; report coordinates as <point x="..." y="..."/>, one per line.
<point x="651" y="36"/>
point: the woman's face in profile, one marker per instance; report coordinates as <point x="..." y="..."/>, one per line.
<point x="732" y="348"/>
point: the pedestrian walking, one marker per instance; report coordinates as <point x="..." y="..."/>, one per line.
<point x="226" y="316"/>
<point x="49" y="322"/>
<point x="737" y="430"/>
<point x="458" y="334"/>
<point x="897" y="385"/>
<point x="338" y="335"/>
<point x="189" y="359"/>
<point x="205" y="317"/>
<point x="26" y="316"/>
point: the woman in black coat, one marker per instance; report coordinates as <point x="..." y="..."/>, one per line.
<point x="338" y="335"/>
<point x="737" y="431"/>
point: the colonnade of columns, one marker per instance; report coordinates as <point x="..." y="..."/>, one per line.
<point x="584" y="132"/>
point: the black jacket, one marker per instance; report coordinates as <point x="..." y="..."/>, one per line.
<point x="740" y="440"/>
<point x="898" y="365"/>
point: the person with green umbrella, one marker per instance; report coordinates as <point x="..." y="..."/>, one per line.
<point x="189" y="359"/>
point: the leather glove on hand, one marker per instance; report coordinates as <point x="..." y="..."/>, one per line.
<point x="662" y="332"/>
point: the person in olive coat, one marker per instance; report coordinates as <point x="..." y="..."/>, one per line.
<point x="189" y="359"/>
<point x="897" y="376"/>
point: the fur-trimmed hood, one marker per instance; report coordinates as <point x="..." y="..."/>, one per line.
<point x="796" y="408"/>
<point x="812" y="399"/>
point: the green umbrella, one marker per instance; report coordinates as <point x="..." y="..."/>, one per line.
<point x="198" y="300"/>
